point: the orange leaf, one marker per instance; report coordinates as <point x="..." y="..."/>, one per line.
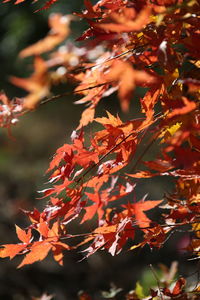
<point x="38" y="84"/>
<point x="57" y="250"/>
<point x="87" y="117"/>
<point x="85" y="158"/>
<point x="111" y="120"/>
<point x="22" y="235"/>
<point x="43" y="229"/>
<point x="38" y="251"/>
<point x="142" y="174"/>
<point x="106" y="229"/>
<point x="127" y="78"/>
<point x="149" y="100"/>
<point x="137" y="209"/>
<point x="59" y="25"/>
<point x="11" y="250"/>
<point x="126" y="20"/>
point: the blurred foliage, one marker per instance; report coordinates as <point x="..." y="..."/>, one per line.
<point x="20" y="26"/>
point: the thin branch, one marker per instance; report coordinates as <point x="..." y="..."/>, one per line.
<point x="152" y="141"/>
<point x="105" y="155"/>
<point x="132" y="50"/>
<point x="157" y="280"/>
<point x="74" y="92"/>
<point x="105" y="61"/>
<point x="68" y="236"/>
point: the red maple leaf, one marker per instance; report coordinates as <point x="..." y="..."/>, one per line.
<point x="137" y="209"/>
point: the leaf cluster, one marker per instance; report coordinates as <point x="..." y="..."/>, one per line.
<point x="127" y="44"/>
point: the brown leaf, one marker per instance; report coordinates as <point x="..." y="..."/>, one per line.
<point x="187" y="107"/>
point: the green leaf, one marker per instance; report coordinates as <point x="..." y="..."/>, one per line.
<point x="139" y="290"/>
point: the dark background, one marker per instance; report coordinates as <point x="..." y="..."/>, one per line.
<point x="24" y="159"/>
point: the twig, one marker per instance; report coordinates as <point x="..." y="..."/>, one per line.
<point x="157" y="280"/>
<point x="133" y="50"/>
<point x="152" y="141"/>
<point x="74" y="92"/>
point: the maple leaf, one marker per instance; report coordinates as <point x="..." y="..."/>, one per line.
<point x="38" y="84"/>
<point x="126" y="20"/>
<point x="38" y="251"/>
<point x="181" y="213"/>
<point x="59" y="156"/>
<point x="186" y="158"/>
<point x="187" y="106"/>
<point x="34" y="215"/>
<point x="57" y="250"/>
<point x="86" y="117"/>
<point x="23" y="236"/>
<point x="124" y="231"/>
<point x="97" y="11"/>
<point x="154" y="237"/>
<point x="85" y="158"/>
<point x="90" y="12"/>
<point x="137" y="211"/>
<point x="11" y="250"/>
<point x="93" y="88"/>
<point x="59" y="25"/>
<point x="99" y="236"/>
<point x="43" y="229"/>
<point x="127" y="78"/>
<point x="110" y="120"/>
<point x="111" y="237"/>
<point x="91" y="210"/>
<point x="149" y="100"/>
<point x="100" y="200"/>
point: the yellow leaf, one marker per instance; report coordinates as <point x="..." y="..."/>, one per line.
<point x="170" y="131"/>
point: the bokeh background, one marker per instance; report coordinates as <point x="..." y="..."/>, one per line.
<point x="24" y="159"/>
